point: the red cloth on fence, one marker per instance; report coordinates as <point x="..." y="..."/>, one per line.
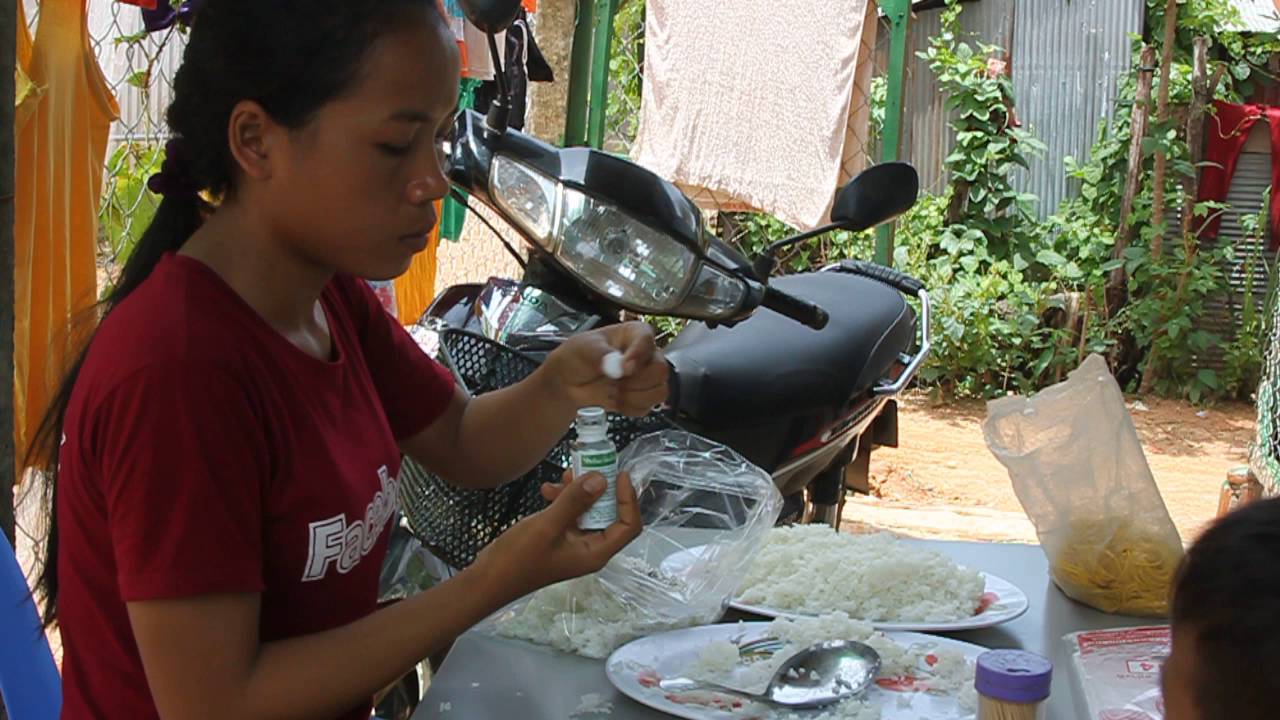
<point x="144" y="4"/>
<point x="1229" y="128"/>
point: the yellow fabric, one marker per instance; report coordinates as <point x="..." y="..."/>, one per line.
<point x="61" y="151"/>
<point x="416" y="288"/>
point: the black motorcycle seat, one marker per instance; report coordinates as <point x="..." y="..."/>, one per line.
<point x="769" y="366"/>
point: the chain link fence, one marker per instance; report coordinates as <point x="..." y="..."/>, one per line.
<point x="139" y="67"/>
<point x="1264" y="455"/>
<point x="734" y="222"/>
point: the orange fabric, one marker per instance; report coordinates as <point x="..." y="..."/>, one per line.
<point x="61" y="151"/>
<point x="26" y="93"/>
<point x="532" y="5"/>
<point x="416" y="288"/>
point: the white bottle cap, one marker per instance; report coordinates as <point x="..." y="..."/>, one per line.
<point x="592" y="424"/>
<point x="612" y="366"/>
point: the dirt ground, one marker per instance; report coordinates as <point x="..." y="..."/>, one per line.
<point x="942" y="482"/>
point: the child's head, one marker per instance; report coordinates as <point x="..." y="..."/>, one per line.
<point x="322" y="117"/>
<point x="1226" y="621"/>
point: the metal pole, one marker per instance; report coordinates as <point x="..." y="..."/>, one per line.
<point x="8" y="56"/>
<point x="601" y="45"/>
<point x="575" y="123"/>
<point x="898" y="12"/>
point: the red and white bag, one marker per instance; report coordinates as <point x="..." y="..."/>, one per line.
<point x="1117" y="672"/>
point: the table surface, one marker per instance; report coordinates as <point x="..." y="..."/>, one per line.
<point x="487" y="677"/>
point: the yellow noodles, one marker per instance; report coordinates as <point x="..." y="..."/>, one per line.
<point x="1117" y="567"/>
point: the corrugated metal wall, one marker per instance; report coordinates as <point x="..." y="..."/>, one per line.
<point x="1245" y="197"/>
<point x="1067" y="59"/>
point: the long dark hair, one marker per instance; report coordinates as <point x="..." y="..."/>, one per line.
<point x="292" y="57"/>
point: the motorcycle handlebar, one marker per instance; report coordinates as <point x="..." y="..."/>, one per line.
<point x="802" y="311"/>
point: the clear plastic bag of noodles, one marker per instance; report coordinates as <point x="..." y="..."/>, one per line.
<point x="1078" y="469"/>
<point x="707" y="511"/>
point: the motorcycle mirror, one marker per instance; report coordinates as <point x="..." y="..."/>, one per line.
<point x="879" y="193"/>
<point x="491" y="16"/>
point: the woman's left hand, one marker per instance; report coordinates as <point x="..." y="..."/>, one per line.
<point x="578" y="367"/>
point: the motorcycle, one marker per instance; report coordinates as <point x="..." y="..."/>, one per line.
<point x="798" y="373"/>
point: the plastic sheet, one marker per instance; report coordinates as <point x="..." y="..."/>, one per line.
<point x="693" y="493"/>
<point x="1117" y="672"/>
<point x="1079" y="471"/>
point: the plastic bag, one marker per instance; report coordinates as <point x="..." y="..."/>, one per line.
<point x="1079" y="471"/>
<point x="1117" y="672"/>
<point x="707" y="511"/>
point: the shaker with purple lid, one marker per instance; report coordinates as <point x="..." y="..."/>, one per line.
<point x="1012" y="685"/>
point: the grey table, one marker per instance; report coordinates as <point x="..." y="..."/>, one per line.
<point x="486" y="677"/>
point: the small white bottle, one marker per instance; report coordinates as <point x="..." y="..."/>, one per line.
<point x="594" y="452"/>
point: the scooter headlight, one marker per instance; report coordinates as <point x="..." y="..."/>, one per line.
<point x="616" y="255"/>
<point x="527" y="197"/>
<point x="621" y="258"/>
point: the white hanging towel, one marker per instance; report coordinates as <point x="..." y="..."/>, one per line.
<point x="757" y="104"/>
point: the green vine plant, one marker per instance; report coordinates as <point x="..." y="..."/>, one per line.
<point x="1019" y="302"/>
<point x="1156" y="329"/>
<point x="986" y="216"/>
<point x="1242" y="368"/>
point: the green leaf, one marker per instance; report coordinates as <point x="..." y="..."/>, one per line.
<point x="1043" y="362"/>
<point x="132" y="39"/>
<point x="140" y="79"/>
<point x="1208" y="377"/>
<point x="1110" y="265"/>
<point x="1050" y="258"/>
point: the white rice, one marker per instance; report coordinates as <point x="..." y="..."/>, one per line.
<point x="592" y="704"/>
<point x="720" y="662"/>
<point x="811" y="569"/>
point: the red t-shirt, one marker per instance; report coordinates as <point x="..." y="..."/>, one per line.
<point x="205" y="453"/>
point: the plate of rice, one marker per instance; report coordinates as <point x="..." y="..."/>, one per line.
<point x="920" y="675"/>
<point x="810" y="570"/>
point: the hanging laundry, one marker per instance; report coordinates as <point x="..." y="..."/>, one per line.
<point x="473" y="44"/>
<point x="764" y="103"/>
<point x="60" y="155"/>
<point x="478" y="59"/>
<point x="165" y="14"/>
<point x="523" y="64"/>
<point x="1228" y="130"/>
<point x="454" y="214"/>
<point x="416" y="288"/>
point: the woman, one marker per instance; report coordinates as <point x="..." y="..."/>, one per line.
<point x="225" y="452"/>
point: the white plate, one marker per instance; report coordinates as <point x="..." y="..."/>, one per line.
<point x="1004" y="602"/>
<point x="672" y="654"/>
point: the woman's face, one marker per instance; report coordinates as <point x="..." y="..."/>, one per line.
<point x="355" y="189"/>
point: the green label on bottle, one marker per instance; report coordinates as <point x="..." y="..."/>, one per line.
<point x="605" y="510"/>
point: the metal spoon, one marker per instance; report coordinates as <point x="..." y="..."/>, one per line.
<point x="820" y="675"/>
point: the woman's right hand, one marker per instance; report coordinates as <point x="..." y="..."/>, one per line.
<point x="547" y="547"/>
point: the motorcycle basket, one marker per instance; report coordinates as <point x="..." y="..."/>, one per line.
<point x="455" y="523"/>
